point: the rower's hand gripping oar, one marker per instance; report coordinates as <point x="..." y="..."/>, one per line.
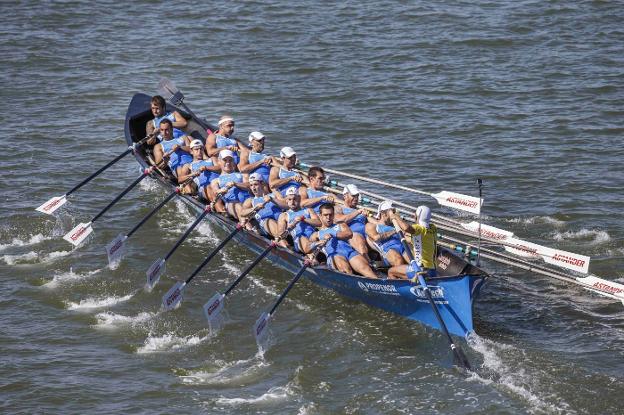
<point x="82" y="230"/>
<point x="261" y="326"/>
<point x="214" y="305"/>
<point x="457" y="351"/>
<point x="445" y="198"/>
<point x="158" y="267"/>
<point x="56" y="202"/>
<point x="173" y="297"/>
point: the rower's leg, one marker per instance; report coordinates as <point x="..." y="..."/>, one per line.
<point x="360" y="265"/>
<point x="271" y="226"/>
<point x="394" y="258"/>
<point x="304" y="245"/>
<point x="219" y="206"/>
<point x="358" y="242"/>
<point x="341" y="264"/>
<point x="231" y="209"/>
<point x="209" y="194"/>
<point x="398" y="272"/>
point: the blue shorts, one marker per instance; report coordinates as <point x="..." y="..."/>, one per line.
<point x="386" y="247"/>
<point x="358" y="227"/>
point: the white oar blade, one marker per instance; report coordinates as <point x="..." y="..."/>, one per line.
<point x="523" y="248"/>
<point x="458" y="201"/>
<point x="213" y="308"/>
<point x="51" y="205"/>
<point x="154" y="272"/>
<point x="600" y="286"/>
<point x="261" y="328"/>
<point x="488" y="231"/>
<point x="116" y="249"/>
<point x="564" y="259"/>
<point x="77" y="235"/>
<point x="172" y="299"/>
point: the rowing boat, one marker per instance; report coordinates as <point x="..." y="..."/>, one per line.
<point x="454" y="290"/>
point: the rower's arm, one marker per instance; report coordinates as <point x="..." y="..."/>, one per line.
<point x="242" y="186"/>
<point x="245" y="167"/>
<point x="344" y="233"/>
<point x="282" y="223"/>
<point x="158" y="154"/>
<point x="149" y="130"/>
<point x="314" y="237"/>
<point x="313" y="219"/>
<point x="247" y="208"/>
<point x="346" y="218"/>
<point x="371" y="232"/>
<point x="404" y="226"/>
<point x="180" y="121"/>
<point x="211" y="145"/>
<point x="185" y="173"/>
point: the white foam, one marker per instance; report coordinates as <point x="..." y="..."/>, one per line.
<point x="512" y="379"/>
<point x="149" y="185"/>
<point x="598" y="236"/>
<point x="35" y="239"/>
<point x="91" y="303"/>
<point x="21" y="258"/>
<point x="278" y="393"/>
<point x="169" y="342"/>
<point x="537" y="219"/>
<point x="108" y="320"/>
<point x="69" y="276"/>
<point x="229" y="372"/>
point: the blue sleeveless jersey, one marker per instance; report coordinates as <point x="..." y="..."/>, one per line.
<point x="205" y="177"/>
<point x="222" y="141"/>
<point x="283" y="174"/>
<point x="394" y="242"/>
<point x="171" y="117"/>
<point x="335" y="246"/>
<point x="262" y="170"/>
<point x="302" y="228"/>
<point x="358" y="223"/>
<point x="313" y="194"/>
<point x="179" y="157"/>
<point x="269" y="211"/>
<point x="234" y="194"/>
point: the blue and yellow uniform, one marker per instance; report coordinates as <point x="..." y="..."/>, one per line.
<point x="424" y="240"/>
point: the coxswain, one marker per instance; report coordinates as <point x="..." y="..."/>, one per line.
<point x="383" y="237"/>
<point x="269" y="212"/>
<point x="306" y="221"/>
<point x="175" y="151"/>
<point x="254" y="160"/>
<point x="340" y="254"/>
<point x="284" y="177"/>
<point x="355" y="218"/>
<point x="424" y="240"/>
<point x="158" y="107"/>
<point x="222" y="139"/>
<point x="230" y="186"/>
<point x="314" y="196"/>
<point x="202" y="169"/>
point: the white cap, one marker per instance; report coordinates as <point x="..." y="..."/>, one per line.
<point x="292" y="190"/>
<point x="383" y="206"/>
<point x="351" y="189"/>
<point x="287" y="152"/>
<point x="225" y="119"/>
<point x="196" y="143"/>
<point x="423" y="215"/>
<point x="255" y="135"/>
<point x="225" y="153"/>
<point x="255" y="177"/>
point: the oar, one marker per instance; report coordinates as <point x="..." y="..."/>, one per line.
<point x="456" y="349"/>
<point x="116" y="249"/>
<point x="445" y="198"/>
<point x="173" y="297"/>
<point x="214" y="306"/>
<point x="172" y="94"/>
<point x="56" y="202"/>
<point x="82" y="230"/>
<point x="261" y="326"/>
<point x="159" y="266"/>
<point x="600" y="286"/>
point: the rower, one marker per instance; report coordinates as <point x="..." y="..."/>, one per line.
<point x="305" y="218"/>
<point x="158" y="107"/>
<point x="355" y="218"/>
<point x="255" y="161"/>
<point x="424" y="240"/>
<point x="314" y="196"/>
<point x="284" y="177"/>
<point x="266" y="218"/>
<point x="202" y="169"/>
<point x="222" y="139"/>
<point x="340" y="255"/>
<point x="175" y="151"/>
<point x="229" y="185"/>
<point x="384" y="239"/>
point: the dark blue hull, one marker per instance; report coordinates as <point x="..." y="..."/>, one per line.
<point x="454" y="293"/>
